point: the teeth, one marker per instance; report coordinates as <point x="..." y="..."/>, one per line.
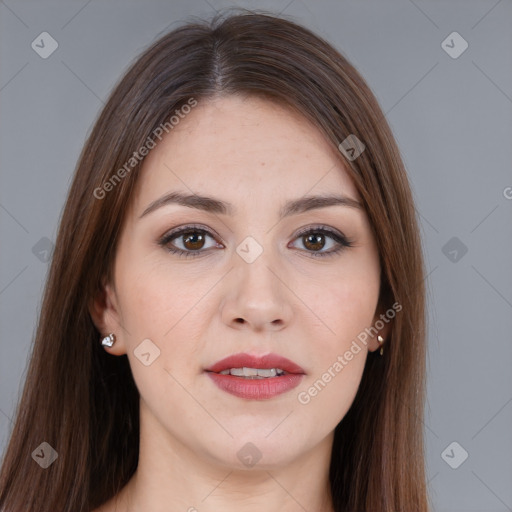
<point x="253" y="373"/>
<point x="269" y="372"/>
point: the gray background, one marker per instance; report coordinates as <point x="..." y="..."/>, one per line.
<point x="452" y="118"/>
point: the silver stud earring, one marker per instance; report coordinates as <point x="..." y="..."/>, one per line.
<point x="380" y="339"/>
<point x="109" y="340"/>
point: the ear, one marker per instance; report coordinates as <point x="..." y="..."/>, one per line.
<point x="105" y="315"/>
<point x="381" y="319"/>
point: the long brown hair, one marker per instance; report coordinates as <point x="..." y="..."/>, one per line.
<point x="85" y="404"/>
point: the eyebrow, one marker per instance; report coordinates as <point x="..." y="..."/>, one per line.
<point x="212" y="205"/>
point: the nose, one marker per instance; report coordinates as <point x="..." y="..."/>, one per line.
<point x="257" y="297"/>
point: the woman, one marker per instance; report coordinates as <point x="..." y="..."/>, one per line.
<point x="234" y="314"/>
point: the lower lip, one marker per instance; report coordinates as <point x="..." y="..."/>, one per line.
<point x="256" y="389"/>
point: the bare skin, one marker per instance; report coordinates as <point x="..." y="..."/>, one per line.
<point x="199" y="309"/>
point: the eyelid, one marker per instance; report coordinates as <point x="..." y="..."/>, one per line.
<point x="318" y="227"/>
<point x="340" y="239"/>
<point x="191" y="227"/>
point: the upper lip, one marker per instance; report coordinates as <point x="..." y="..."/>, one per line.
<point x="262" y="361"/>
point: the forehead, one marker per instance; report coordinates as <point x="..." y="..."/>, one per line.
<point x="236" y="147"/>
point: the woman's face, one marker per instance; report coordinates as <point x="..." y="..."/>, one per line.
<point x="252" y="270"/>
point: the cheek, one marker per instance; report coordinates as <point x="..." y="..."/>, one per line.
<point x="345" y="303"/>
<point x="338" y="357"/>
<point x="347" y="306"/>
<point x="162" y="306"/>
<point x="166" y="306"/>
<point x="352" y="308"/>
<point x="159" y="301"/>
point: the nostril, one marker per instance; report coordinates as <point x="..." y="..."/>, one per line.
<point x="239" y="320"/>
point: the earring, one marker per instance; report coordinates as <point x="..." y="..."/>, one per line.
<point x="380" y="339"/>
<point x="109" y="340"/>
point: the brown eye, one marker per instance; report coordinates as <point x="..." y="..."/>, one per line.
<point x="193" y="240"/>
<point x="314" y="241"/>
<point x="189" y="241"/>
<point x="321" y="242"/>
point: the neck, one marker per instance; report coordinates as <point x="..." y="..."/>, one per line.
<point x="172" y="477"/>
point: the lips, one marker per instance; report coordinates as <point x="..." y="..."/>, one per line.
<point x="266" y="361"/>
<point x="256" y="388"/>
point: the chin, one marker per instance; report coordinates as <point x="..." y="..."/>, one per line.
<point x="255" y="449"/>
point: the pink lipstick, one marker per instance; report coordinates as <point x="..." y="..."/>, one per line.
<point x="255" y="377"/>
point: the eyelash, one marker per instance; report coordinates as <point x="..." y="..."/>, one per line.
<point x="342" y="241"/>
